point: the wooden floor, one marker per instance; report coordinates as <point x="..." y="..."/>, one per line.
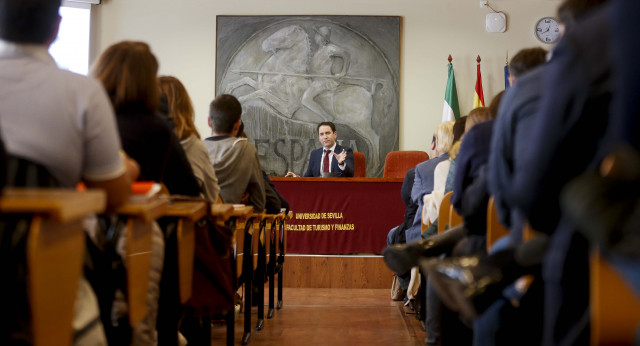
<point x="333" y="316"/>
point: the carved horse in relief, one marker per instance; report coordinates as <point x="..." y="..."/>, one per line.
<point x="282" y="78"/>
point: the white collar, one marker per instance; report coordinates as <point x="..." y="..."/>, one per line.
<point x="333" y="148"/>
<point x="37" y="51"/>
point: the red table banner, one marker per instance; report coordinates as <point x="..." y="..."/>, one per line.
<point x="334" y="216"/>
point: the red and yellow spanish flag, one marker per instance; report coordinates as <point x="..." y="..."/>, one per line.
<point x="478" y="96"/>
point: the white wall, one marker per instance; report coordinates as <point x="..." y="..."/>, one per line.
<point x="182" y="36"/>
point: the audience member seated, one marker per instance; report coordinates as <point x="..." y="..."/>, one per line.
<point x="614" y="220"/>
<point x="397" y="234"/>
<point x="443" y="180"/>
<point x="235" y="160"/>
<point x="515" y="116"/>
<point x="434" y="308"/>
<point x="570" y="122"/>
<point x="70" y="130"/>
<point x="274" y="201"/>
<point x="516" y="111"/>
<point x="423" y="183"/>
<point x="470" y="195"/>
<point x="181" y="112"/>
<point x="128" y="72"/>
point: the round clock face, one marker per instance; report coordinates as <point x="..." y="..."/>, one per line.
<point x="547" y="30"/>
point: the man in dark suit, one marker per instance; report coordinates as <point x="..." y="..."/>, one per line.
<point x="570" y="122"/>
<point x="330" y="160"/>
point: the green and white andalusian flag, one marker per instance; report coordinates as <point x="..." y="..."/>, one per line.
<point x="451" y="110"/>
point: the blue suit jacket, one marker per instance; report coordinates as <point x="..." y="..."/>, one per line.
<point x="517" y="109"/>
<point x="570" y="121"/>
<point x="313" y="169"/>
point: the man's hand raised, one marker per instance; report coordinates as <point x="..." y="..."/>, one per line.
<point x="341" y="157"/>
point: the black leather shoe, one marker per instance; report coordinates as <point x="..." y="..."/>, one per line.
<point x="464" y="284"/>
<point x="400" y="258"/>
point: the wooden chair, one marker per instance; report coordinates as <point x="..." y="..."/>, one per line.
<point x="615" y="309"/>
<point x="140" y="216"/>
<point x="245" y="220"/>
<point x="177" y="280"/>
<point x="454" y="218"/>
<point x="186" y="213"/>
<point x="495" y="229"/>
<point x="222" y="213"/>
<point x="423" y="225"/>
<point x="397" y="163"/>
<point x="445" y="212"/>
<point x="55" y="249"/>
<point x="360" y="162"/>
<point x="277" y="250"/>
<point x="274" y="221"/>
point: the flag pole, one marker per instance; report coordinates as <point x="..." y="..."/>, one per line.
<point x="506" y="72"/>
<point x="478" y="97"/>
<point x="451" y="109"/>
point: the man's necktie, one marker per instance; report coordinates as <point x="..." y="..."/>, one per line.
<point x="325" y="162"/>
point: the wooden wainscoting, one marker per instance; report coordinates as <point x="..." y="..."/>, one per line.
<point x="352" y="271"/>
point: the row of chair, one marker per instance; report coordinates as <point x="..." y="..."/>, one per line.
<point x="271" y="227"/>
<point x="55" y="248"/>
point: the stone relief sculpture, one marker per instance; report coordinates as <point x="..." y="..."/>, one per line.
<point x="296" y="72"/>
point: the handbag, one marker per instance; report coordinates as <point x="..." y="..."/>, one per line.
<point x="397" y="293"/>
<point x="212" y="286"/>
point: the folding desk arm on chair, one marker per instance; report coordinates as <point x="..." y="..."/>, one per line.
<point x="54" y="253"/>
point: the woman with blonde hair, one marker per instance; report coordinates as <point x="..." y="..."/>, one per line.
<point x="182" y="114"/>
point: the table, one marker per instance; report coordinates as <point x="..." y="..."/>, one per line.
<point x="336" y="216"/>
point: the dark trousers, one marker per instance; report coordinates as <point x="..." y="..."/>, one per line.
<point x="566" y="288"/>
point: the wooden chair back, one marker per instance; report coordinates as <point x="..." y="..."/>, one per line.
<point x="55" y="249"/>
<point x="615" y="309"/>
<point x="397" y="163"/>
<point x="140" y="217"/>
<point x="445" y="212"/>
<point x="454" y="218"/>
<point x="187" y="213"/>
<point x="495" y="229"/>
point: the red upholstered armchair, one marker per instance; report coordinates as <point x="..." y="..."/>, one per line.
<point x="397" y="163"/>
<point x="360" y="163"/>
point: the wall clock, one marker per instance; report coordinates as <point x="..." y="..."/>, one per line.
<point x="547" y="30"/>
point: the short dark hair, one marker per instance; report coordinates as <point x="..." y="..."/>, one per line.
<point x="570" y="10"/>
<point x="326" y="123"/>
<point x="526" y="60"/>
<point x="225" y="110"/>
<point x="28" y="21"/>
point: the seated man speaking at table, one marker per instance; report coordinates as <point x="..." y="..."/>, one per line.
<point x="332" y="160"/>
